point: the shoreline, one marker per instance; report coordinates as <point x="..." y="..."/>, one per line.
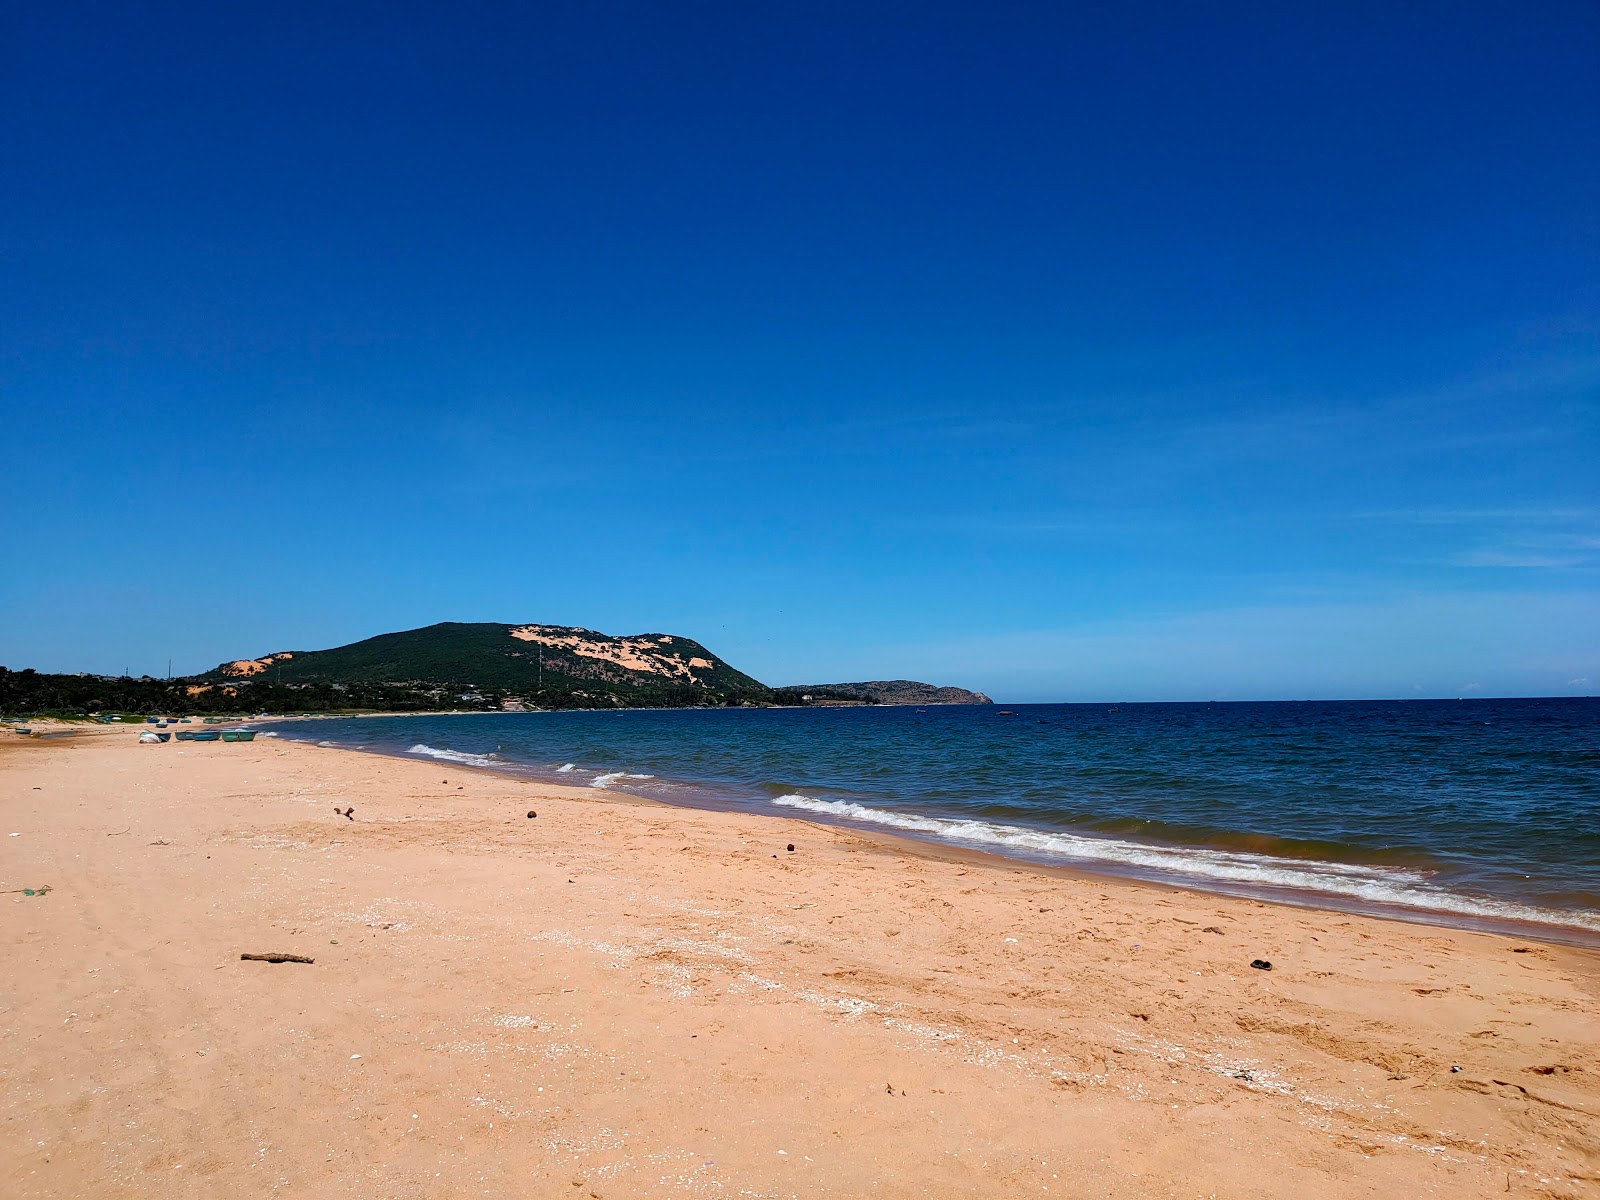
<point x="622" y="998"/>
<point x="1553" y="932"/>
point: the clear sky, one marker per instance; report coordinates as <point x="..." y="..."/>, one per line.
<point x="1169" y="351"/>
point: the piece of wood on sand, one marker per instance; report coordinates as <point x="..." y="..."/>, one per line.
<point x="276" y="958"/>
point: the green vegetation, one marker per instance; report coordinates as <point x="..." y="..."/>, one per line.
<point x="73" y="697"/>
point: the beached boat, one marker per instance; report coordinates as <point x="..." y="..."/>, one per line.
<point x="187" y="735"/>
<point x="151" y="738"/>
<point x="24" y="731"/>
<point x="206" y="735"/>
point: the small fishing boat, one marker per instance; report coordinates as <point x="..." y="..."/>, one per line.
<point x="247" y="735"/>
<point x="206" y="735"/>
<point x="24" y="731"/>
<point x="151" y="738"/>
<point x="187" y="735"/>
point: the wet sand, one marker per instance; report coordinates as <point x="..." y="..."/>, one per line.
<point x="618" y="998"/>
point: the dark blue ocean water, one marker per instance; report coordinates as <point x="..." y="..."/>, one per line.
<point x="1475" y="811"/>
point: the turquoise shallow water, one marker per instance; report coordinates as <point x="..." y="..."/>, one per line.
<point x="1476" y="812"/>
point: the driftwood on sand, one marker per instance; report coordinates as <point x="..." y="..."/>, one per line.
<point x="276" y="958"/>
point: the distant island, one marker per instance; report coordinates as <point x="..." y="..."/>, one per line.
<point x="476" y="666"/>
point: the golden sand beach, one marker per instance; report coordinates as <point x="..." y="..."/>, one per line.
<point x="616" y="998"/>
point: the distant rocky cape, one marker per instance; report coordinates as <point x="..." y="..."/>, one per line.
<point x="891" y="691"/>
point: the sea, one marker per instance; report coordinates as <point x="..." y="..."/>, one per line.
<point x="1478" y="813"/>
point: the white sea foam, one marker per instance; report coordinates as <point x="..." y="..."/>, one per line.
<point x="1378" y="885"/>
<point x="568" y="767"/>
<point x="455" y="756"/>
<point x="610" y="777"/>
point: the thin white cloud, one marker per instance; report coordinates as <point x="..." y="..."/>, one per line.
<point x="1480" y="516"/>
<point x="1512" y="559"/>
<point x="1512" y="643"/>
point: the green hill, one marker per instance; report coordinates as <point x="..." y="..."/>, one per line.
<point x="539" y="664"/>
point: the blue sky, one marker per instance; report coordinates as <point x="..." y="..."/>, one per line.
<point x="1177" y="352"/>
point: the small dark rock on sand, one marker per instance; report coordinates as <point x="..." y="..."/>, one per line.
<point x="532" y="814"/>
<point x="1261" y="964"/>
<point x="791" y="847"/>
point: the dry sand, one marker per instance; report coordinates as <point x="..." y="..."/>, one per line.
<point x="621" y="999"/>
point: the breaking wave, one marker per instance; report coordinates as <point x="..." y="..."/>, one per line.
<point x="562" y="770"/>
<point x="456" y="756"/>
<point x="1376" y="885"/>
<point x="610" y="777"/>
